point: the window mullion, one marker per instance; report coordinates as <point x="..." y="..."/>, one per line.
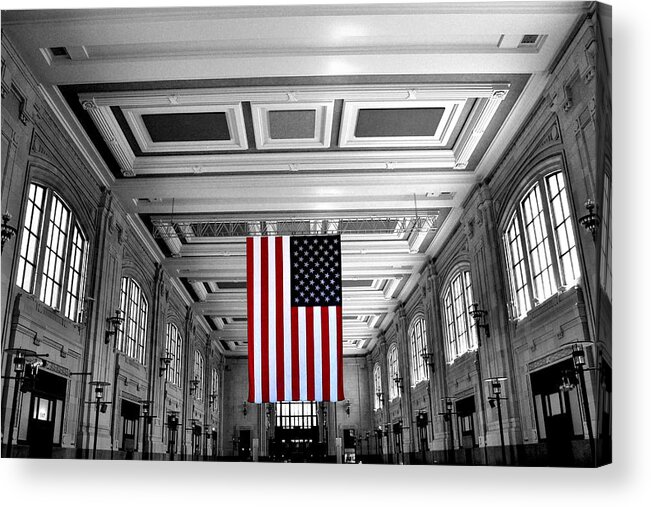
<point x="550" y="227"/>
<point x="38" y="269"/>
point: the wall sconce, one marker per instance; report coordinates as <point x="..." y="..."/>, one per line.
<point x="398" y="381"/>
<point x="479" y="315"/>
<point x="211" y="401"/>
<point x="568" y="381"/>
<point x="8" y="231"/>
<point x="194" y="384"/>
<point x="427" y="359"/>
<point x="165" y="362"/>
<point x="380" y="397"/>
<point x="590" y="221"/>
<point x="114" y="322"/>
<point x="244" y="408"/>
<point x="347" y="407"/>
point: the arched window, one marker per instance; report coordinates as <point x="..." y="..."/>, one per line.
<point x="377" y="386"/>
<point x="418" y="345"/>
<point x="53" y="253"/>
<point x="132" y="335"/>
<point x="174" y="350"/>
<point x="537" y="266"/>
<point x="198" y="374"/>
<point x="394" y="371"/>
<point x="460" y="327"/>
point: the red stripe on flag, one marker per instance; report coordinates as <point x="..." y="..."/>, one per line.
<point x="340" y="354"/>
<point x="249" y="314"/>
<point x="296" y="390"/>
<point x="325" y="352"/>
<point x="280" y="321"/>
<point x="264" y="316"/>
<point x="309" y="350"/>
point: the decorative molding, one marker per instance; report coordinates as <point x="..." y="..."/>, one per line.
<point x="477" y="123"/>
<point x="111" y="132"/>
<point x="56" y="368"/>
<point x="349" y="115"/>
<point x="234" y="117"/>
<point x="340" y="161"/>
<point x="323" y="111"/>
<point x="554" y="357"/>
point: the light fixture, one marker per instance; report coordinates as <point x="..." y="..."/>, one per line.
<point x="116" y="323"/>
<point x="398" y="381"/>
<point x="19" y="361"/>
<point x="380" y="397"/>
<point x="165" y="362"/>
<point x="244" y="408"/>
<point x="211" y="401"/>
<point x="8" y="231"/>
<point x="496" y="385"/>
<point x="194" y="384"/>
<point x="579" y="360"/>
<point x="568" y="381"/>
<point x="99" y="386"/>
<point x="479" y="315"/>
<point x="590" y="221"/>
<point x="578" y="355"/>
<point x="427" y="359"/>
<point x="347" y="407"/>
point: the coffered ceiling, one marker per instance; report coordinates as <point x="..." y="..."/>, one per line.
<point x="373" y="121"/>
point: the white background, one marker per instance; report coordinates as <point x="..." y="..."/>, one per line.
<point x="626" y="482"/>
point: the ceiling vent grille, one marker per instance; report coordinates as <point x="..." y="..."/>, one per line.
<point x="60" y="52"/>
<point x="529" y="40"/>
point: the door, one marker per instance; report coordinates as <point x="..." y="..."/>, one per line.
<point x="40" y="430"/>
<point x="245" y="445"/>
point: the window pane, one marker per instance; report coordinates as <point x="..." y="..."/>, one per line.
<point x="30" y="237"/>
<point x="516" y="272"/>
<point x="563" y="230"/>
<point x="55" y="251"/>
<point x="541" y="267"/>
<point x="76" y="275"/>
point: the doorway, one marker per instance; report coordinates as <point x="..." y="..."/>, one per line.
<point x="45" y="413"/>
<point x="245" y="445"/>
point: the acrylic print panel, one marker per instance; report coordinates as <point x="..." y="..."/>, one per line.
<point x="352" y="234"/>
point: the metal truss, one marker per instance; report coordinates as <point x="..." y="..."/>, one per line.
<point x="196" y="228"/>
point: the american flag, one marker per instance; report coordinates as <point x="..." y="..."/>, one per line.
<point x="294" y="318"/>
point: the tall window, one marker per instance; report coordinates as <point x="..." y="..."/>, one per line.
<point x="377" y="386"/>
<point x="394" y="371"/>
<point x="418" y="342"/>
<point x="538" y="265"/>
<point x="198" y="374"/>
<point x="132" y="335"/>
<point x="296" y="414"/>
<point x="606" y="275"/>
<point x="53" y="253"/>
<point x="460" y="327"/>
<point x="174" y="348"/>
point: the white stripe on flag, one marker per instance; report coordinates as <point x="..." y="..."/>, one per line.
<point x="287" y="313"/>
<point x="318" y="376"/>
<point x="257" y="341"/>
<point x="332" y="330"/>
<point x="302" y="353"/>
<point x="271" y="249"/>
